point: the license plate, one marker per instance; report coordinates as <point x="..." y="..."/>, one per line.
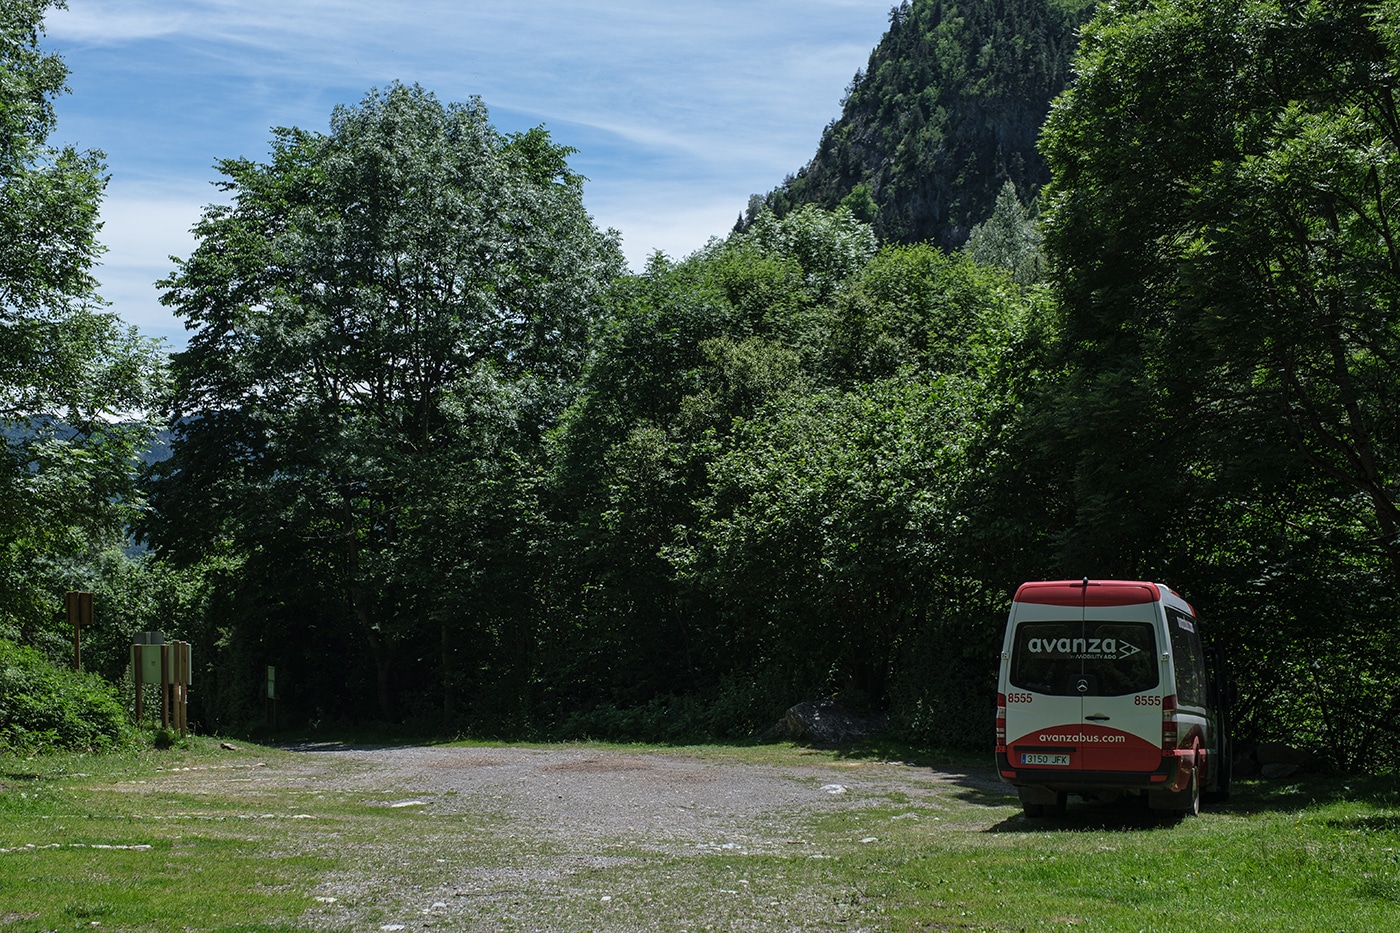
<point x="1032" y="758"/>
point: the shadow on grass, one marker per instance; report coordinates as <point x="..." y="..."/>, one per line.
<point x="971" y="772"/>
<point x="1251" y="795"/>
<point x="1260" y="795"/>
<point x="1379" y="823"/>
<point x="1131" y="814"/>
<point x="1127" y="814"/>
<point x="878" y="748"/>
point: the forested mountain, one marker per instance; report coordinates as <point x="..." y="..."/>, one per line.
<point x="947" y="111"/>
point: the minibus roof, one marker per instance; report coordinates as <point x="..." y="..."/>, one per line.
<point x="1088" y="593"/>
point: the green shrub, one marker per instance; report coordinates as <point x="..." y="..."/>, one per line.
<point x="44" y="707"/>
<point x="741" y="708"/>
<point x="665" y="719"/>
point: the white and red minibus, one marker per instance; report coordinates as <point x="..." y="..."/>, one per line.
<point x="1105" y="690"/>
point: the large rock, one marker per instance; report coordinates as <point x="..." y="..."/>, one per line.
<point x="1277" y="753"/>
<point x="822" y="722"/>
<point x="1272" y="760"/>
<point x="1277" y="769"/>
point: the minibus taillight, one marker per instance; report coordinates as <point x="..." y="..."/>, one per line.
<point x="1169" y="729"/>
<point x="1001" y="722"/>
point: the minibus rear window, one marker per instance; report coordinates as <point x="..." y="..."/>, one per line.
<point x="1084" y="658"/>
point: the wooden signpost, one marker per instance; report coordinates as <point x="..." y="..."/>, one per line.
<point x="79" y="607"/>
<point x="270" y="704"/>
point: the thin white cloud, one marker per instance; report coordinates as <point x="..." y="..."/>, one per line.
<point x="676" y="223"/>
<point x="115" y="23"/>
<point x="681" y="111"/>
<point x="142" y="228"/>
<point x="565" y="60"/>
<point x="138" y="226"/>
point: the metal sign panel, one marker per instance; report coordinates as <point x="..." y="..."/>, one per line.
<point x="148" y="656"/>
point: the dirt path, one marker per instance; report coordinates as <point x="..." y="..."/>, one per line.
<point x="586" y="839"/>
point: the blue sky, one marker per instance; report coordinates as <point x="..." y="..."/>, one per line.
<point x="679" y="111"/>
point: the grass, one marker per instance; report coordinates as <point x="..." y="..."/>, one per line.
<point x="1305" y="858"/>
<point x="80" y="849"/>
<point x="134" y="841"/>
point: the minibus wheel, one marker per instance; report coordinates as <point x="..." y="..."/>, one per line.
<point x="1041" y="801"/>
<point x="1185" y="802"/>
<point x="1193" y="800"/>
<point x="1045" y="809"/>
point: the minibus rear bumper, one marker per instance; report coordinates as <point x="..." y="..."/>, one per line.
<point x="1174" y="774"/>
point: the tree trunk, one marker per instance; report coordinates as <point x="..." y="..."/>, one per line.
<point x="359" y="602"/>
<point x="448" y="704"/>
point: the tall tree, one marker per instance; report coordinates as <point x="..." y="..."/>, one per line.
<point x="385" y="318"/>
<point x="690" y="347"/>
<point x="76" y="386"/>
<point x="1222" y="219"/>
<point x="1222" y="228"/>
<point x="1009" y="239"/>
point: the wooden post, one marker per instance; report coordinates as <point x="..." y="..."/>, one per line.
<point x="70" y="603"/>
<point x="184" y="679"/>
<point x="78" y="605"/>
<point x="270" y="704"/>
<point x="176" y="685"/>
<point x="136" y="659"/>
<point x="165" y="686"/>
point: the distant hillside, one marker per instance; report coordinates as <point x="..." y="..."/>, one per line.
<point x="947" y="110"/>
<point x="19" y="433"/>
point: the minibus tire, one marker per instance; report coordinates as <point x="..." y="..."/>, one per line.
<point x="1037" y="810"/>
<point x="1193" y="791"/>
<point x="1185" y="802"/>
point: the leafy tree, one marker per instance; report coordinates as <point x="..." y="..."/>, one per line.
<point x="842" y="538"/>
<point x="827" y="246"/>
<point x="1009" y="239"/>
<point x="76" y="387"/>
<point x="1221" y="226"/>
<point x="690" y="347"/>
<point x="385" y="318"/>
<point x="817" y="538"/>
<point x="767" y="484"/>
<point x="914" y="307"/>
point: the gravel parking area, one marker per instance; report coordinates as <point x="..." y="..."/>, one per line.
<point x="578" y="838"/>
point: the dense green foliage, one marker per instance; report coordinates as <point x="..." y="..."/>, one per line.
<point x="1222" y="219"/>
<point x="764" y="466"/>
<point x="385" y="318"/>
<point x="945" y="113"/>
<point x="44" y="707"/>
<point x="77" y="388"/>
